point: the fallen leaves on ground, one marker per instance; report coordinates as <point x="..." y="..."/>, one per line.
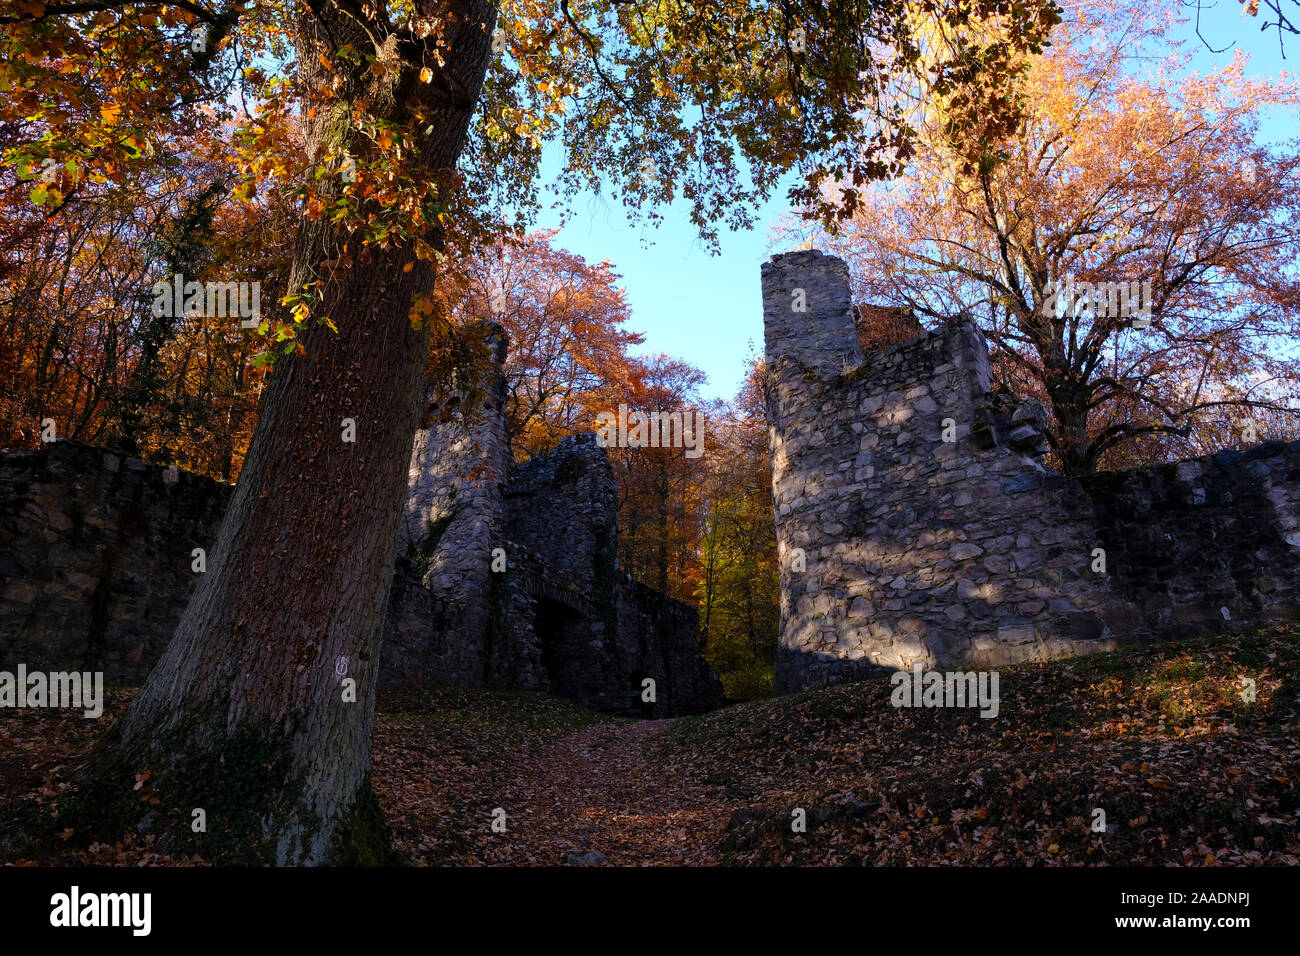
<point x="1186" y="771"/>
<point x="1160" y="739"/>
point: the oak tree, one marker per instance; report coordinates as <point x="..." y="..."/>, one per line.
<point x="393" y="129"/>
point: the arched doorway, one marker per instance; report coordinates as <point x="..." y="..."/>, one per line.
<point x="562" y="632"/>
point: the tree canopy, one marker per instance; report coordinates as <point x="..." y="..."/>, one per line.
<point x="1114" y="182"/>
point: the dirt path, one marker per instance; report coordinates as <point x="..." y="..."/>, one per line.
<point x="592" y="797"/>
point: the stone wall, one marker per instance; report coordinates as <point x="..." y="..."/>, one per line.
<point x="564" y="508"/>
<point x="95" y="570"/>
<point x="451" y="521"/>
<point x="898" y="546"/>
<point x="560" y="617"/>
<point x="657" y="638"/>
<point x="95" y="557"/>
<point x="599" y="632"/>
<point x="561" y="517"/>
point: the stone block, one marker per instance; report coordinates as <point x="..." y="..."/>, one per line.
<point x="1016" y="631"/>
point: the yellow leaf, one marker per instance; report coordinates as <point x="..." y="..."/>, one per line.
<point x="426" y="75"/>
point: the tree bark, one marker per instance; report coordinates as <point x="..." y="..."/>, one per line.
<point x="1070" y="407"/>
<point x="244" y="716"/>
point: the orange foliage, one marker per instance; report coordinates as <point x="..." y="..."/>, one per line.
<point x="1116" y="175"/>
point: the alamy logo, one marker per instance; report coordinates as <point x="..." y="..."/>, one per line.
<point x="953" y="689"/>
<point x="651" y="430"/>
<point x="213" y="300"/>
<point x="75" y="908"/>
<point x="1098" y="300"/>
<point x="56" y="689"/>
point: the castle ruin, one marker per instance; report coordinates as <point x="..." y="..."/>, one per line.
<point x="916" y="522"/>
<point x="506" y="574"/>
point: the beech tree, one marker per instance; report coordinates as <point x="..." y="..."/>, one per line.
<point x="395" y="129"/>
<point x="658" y="526"/>
<point x="564" y="317"/>
<point x="739" y="587"/>
<point x="1116" y="181"/>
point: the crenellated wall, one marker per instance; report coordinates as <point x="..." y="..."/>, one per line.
<point x="917" y="523"/>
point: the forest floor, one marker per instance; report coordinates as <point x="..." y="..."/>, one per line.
<point x="1161" y="739"/>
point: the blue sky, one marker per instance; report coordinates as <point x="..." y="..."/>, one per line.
<point x="707" y="309"/>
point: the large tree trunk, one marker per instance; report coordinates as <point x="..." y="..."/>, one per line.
<point x="1069" y="402"/>
<point x="244" y="716"/>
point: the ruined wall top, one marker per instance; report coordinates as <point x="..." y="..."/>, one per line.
<point x="808" y="312"/>
<point x="563" y="506"/>
<point x="916" y="522"/>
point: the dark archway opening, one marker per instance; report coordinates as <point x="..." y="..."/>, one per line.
<point x="561" y="631"/>
<point x="639" y="705"/>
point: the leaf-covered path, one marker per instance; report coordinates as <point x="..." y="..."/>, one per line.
<point x="593" y="797"/>
<point x="1159" y="744"/>
<point x="576" y="788"/>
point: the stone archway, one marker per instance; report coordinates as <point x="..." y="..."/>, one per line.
<point x="563" y="633"/>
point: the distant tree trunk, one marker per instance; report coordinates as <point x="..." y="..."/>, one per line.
<point x="661" y="548"/>
<point x="1076" y="450"/>
<point x="1068" y="395"/>
<point x="244" y="715"/>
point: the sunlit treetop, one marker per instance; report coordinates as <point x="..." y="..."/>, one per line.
<point x="329" y="107"/>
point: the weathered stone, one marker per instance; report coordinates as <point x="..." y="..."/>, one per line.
<point x="861" y="607"/>
<point x="560" y="618"/>
<point x="1022" y="483"/>
<point x="1016" y="632"/>
<point x="59" y="521"/>
<point x="956" y="531"/>
<point x="20" y="592"/>
<point x="1022" y="435"/>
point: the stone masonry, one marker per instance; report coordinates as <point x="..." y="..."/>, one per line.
<point x="96" y="558"/>
<point x="555" y="614"/>
<point x="916" y="521"/>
